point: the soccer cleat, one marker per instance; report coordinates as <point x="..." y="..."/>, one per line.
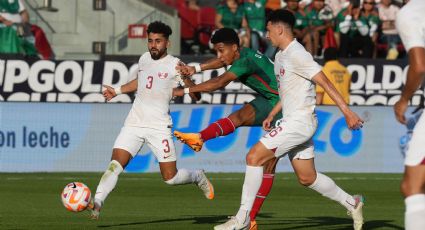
<point x="205" y="185"/>
<point x="233" y="224"/>
<point x="357" y="212"/>
<point x="193" y="140"/>
<point x="253" y="225"/>
<point x="94" y="211"/>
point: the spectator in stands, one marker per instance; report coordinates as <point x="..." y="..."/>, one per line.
<point x="353" y="33"/>
<point x="370" y="15"/>
<point x="231" y="15"/>
<point x="320" y="18"/>
<point x="338" y="74"/>
<point x="337" y="5"/>
<point x="389" y="36"/>
<point x="255" y="14"/>
<point x="301" y="29"/>
<point x="15" y="30"/>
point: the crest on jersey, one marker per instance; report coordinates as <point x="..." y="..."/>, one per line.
<point x="282" y="71"/>
<point x="162" y="75"/>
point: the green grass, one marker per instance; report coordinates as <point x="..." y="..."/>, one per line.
<point x="143" y="201"/>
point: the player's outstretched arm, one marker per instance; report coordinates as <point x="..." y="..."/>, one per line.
<point x="110" y="92"/>
<point x="187" y="70"/>
<point x="267" y="122"/>
<point x="352" y="119"/>
<point x="188" y="83"/>
<point x="207" y="86"/>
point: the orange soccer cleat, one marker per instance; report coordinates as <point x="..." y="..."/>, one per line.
<point x="193" y="140"/>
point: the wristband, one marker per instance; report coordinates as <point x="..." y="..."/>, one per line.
<point x="198" y="68"/>
<point x="186" y="90"/>
<point x="118" y="90"/>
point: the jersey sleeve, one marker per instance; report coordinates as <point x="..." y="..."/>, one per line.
<point x="305" y="65"/>
<point x="177" y="77"/>
<point x="241" y="67"/>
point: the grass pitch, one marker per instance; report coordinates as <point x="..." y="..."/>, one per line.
<point x="143" y="201"/>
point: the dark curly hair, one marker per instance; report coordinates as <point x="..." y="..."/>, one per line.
<point x="158" y="27"/>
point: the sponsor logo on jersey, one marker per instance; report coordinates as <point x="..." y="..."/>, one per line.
<point x="162" y="75"/>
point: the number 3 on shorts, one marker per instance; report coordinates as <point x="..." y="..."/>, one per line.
<point x="167" y="146"/>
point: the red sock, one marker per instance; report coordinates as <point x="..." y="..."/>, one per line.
<point x="264" y="190"/>
<point x="221" y="127"/>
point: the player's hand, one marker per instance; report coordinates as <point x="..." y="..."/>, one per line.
<point x="399" y="109"/>
<point x="109" y="92"/>
<point x="267" y="123"/>
<point x="178" y="92"/>
<point x="354" y="122"/>
<point x="185" y="70"/>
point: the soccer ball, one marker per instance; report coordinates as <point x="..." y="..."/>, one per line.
<point x="76" y="196"/>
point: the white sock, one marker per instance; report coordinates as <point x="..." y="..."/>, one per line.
<point x="251" y="185"/>
<point x="415" y="212"/>
<point x="107" y="182"/>
<point x="184" y="176"/>
<point x="327" y="187"/>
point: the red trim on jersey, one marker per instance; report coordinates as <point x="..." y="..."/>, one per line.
<point x="265" y="84"/>
<point x="423" y="162"/>
<point x="273" y="150"/>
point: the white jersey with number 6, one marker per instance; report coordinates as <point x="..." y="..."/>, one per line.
<point x="156" y="80"/>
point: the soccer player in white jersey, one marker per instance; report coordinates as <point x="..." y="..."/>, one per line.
<point x="149" y="120"/>
<point x="297" y="74"/>
<point x="410" y="24"/>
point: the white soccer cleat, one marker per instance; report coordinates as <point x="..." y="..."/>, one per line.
<point x="357" y="212"/>
<point x="205" y="185"/>
<point x="233" y="224"/>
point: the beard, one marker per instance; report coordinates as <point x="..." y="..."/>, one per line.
<point x="157" y="54"/>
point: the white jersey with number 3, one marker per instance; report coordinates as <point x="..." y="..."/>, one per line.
<point x="156" y="80"/>
<point x="294" y="69"/>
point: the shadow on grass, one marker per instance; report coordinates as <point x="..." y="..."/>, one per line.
<point x="195" y="220"/>
<point x="322" y="222"/>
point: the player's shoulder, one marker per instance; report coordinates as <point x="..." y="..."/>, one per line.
<point x="145" y="57"/>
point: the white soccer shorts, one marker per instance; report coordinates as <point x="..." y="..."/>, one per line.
<point x="410" y="24"/>
<point x="293" y="138"/>
<point x="160" y="142"/>
<point x="415" y="154"/>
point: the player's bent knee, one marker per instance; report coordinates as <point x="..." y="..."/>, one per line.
<point x="306" y="180"/>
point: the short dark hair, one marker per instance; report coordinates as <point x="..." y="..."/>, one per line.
<point x="283" y="16"/>
<point x="226" y="36"/>
<point x="158" y="27"/>
<point x="330" y="53"/>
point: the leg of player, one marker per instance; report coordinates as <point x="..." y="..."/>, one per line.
<point x="225" y="126"/>
<point x="256" y="158"/>
<point x="308" y="176"/>
<point x="263" y="192"/>
<point x="172" y="176"/>
<point x="412" y="187"/>
<point x="119" y="160"/>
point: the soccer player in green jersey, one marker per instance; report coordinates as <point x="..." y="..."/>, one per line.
<point x="254" y="70"/>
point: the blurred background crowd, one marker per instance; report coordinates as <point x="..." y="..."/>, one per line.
<point x="356" y="28"/>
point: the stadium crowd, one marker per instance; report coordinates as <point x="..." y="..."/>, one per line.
<point x="357" y="28"/>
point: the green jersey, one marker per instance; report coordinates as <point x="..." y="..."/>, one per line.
<point x="301" y="21"/>
<point x="9" y="6"/>
<point x="230" y="19"/>
<point x="313" y="18"/>
<point x="353" y="26"/>
<point x="255" y="14"/>
<point x="256" y="71"/>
